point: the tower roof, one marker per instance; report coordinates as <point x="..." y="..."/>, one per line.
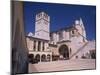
<point x="42" y="15"/>
<point x="30" y="34"/>
<point x="81" y="23"/>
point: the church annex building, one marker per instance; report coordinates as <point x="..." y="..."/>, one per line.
<point x="64" y="44"/>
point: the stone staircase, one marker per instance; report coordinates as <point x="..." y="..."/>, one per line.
<point x="80" y="49"/>
<point x="62" y="65"/>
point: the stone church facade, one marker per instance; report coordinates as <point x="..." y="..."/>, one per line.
<point x="64" y="44"/>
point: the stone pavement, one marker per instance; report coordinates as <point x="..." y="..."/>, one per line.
<point x="62" y="65"/>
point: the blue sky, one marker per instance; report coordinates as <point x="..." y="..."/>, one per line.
<point x="61" y="15"/>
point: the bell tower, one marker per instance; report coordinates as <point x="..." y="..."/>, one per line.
<point x="81" y="29"/>
<point x="42" y="26"/>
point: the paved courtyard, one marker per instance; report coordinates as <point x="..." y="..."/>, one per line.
<point x="62" y="65"/>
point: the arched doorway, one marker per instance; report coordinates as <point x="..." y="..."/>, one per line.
<point x="31" y="58"/>
<point x="31" y="55"/>
<point x="43" y="57"/>
<point x="64" y="52"/>
<point x="48" y="57"/>
<point x="93" y="54"/>
<point x="37" y="57"/>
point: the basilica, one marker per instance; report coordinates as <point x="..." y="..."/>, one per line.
<point x="64" y="44"/>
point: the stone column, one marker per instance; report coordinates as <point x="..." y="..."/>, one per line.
<point x="50" y="57"/>
<point x="36" y="45"/>
<point x="46" y="56"/>
<point x="40" y="57"/>
<point x="44" y="46"/>
<point x="33" y="46"/>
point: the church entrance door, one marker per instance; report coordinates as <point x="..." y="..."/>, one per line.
<point x="63" y="51"/>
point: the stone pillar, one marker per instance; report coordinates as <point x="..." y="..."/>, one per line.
<point x="40" y="57"/>
<point x="51" y="57"/>
<point x="36" y="45"/>
<point x="44" y="46"/>
<point x="34" y="55"/>
<point x="46" y="56"/>
<point x="33" y="45"/>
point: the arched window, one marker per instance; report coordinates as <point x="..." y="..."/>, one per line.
<point x="76" y="57"/>
<point x="72" y="31"/>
